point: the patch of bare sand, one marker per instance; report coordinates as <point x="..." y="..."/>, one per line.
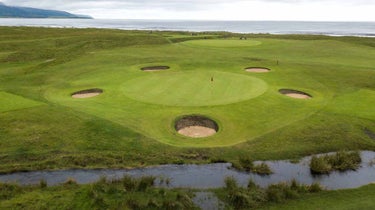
<point x="295" y="94"/>
<point x="298" y="95"/>
<point x="197" y="131"/>
<point x="85" y="95"/>
<point x="89" y="93"/>
<point x="257" y="70"/>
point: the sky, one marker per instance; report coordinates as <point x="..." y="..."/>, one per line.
<point x="302" y="10"/>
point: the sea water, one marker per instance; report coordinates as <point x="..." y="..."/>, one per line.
<point x="365" y="29"/>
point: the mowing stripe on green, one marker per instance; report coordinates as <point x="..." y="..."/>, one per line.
<point x="10" y="102"/>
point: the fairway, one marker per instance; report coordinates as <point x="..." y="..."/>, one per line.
<point x="223" y="43"/>
<point x="197" y="88"/>
<point x="10" y="102"/>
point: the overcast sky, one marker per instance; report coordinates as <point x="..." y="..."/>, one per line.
<point x="319" y="10"/>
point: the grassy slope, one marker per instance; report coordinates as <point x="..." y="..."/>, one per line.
<point x="100" y="195"/>
<point x="361" y="198"/>
<point x="113" y="196"/>
<point x="112" y="131"/>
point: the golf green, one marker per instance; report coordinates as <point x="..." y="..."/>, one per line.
<point x="194" y="88"/>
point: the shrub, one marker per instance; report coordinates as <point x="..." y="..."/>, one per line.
<point x="262" y="169"/>
<point x="346" y="160"/>
<point x="319" y="165"/>
<point x="247" y="164"/>
<point x="240" y="200"/>
<point x="145" y="182"/>
<point x="340" y="161"/>
<point x="251" y="185"/>
<point x="185" y="200"/>
<point x="42" y="183"/>
<point x="172" y="205"/>
<point x="315" y="187"/>
<point x="128" y="183"/>
<point x="230" y="184"/>
<point x="70" y="181"/>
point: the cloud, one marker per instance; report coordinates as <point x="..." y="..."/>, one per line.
<point x="212" y="9"/>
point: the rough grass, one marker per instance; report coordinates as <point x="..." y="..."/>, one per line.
<point x="254" y="197"/>
<point x="126" y="193"/>
<point x="113" y="130"/>
<point x="361" y="198"/>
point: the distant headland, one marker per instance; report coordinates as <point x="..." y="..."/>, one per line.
<point x="28" y="12"/>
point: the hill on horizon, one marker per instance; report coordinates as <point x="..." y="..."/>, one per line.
<point x="28" y="12"/>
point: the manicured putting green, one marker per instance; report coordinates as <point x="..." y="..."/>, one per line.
<point x="10" y="102"/>
<point x="194" y="88"/>
<point x="222" y="43"/>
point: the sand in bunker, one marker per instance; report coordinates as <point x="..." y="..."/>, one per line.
<point x="196" y="126"/>
<point x="257" y="69"/>
<point x="295" y="94"/>
<point x="197" y="131"/>
<point x="298" y="95"/>
<point x="87" y="93"/>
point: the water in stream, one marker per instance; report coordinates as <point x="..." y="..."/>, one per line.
<point x="211" y="175"/>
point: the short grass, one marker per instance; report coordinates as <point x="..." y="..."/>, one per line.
<point x="215" y="43"/>
<point x="131" y="125"/>
<point x="194" y="88"/>
<point x="11" y="102"/>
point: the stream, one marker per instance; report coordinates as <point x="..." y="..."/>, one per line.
<point x="210" y="175"/>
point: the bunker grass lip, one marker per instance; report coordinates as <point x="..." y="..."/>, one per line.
<point x="155" y="68"/>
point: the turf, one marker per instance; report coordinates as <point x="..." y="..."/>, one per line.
<point x="132" y="123"/>
<point x="361" y="198"/>
<point x="194" y="88"/>
<point x="11" y="102"/>
<point x="231" y="43"/>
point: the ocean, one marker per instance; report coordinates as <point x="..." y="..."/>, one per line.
<point x="363" y="29"/>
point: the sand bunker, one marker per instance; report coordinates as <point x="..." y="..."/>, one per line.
<point x="87" y="93"/>
<point x="257" y="69"/>
<point x="295" y="94"/>
<point x="155" y="68"/>
<point x="196" y="126"/>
